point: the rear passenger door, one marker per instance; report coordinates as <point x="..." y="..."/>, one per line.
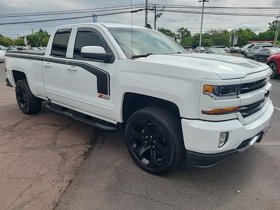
<point x="55" y="68"/>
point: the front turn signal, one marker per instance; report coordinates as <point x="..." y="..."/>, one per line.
<point x="221" y="111"/>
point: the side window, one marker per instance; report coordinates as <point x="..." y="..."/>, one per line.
<point x="60" y="42"/>
<point x="88" y="37"/>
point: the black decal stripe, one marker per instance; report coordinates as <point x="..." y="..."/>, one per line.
<point x="103" y="78"/>
<point x="25" y="56"/>
<point x="54" y="60"/>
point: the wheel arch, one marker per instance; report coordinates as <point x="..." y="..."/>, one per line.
<point x="277" y="65"/>
<point x="18" y="75"/>
<point x="135" y="101"/>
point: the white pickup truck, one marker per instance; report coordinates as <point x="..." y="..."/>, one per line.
<point x="171" y="104"/>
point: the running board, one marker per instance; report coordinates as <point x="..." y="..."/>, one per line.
<point x="99" y="124"/>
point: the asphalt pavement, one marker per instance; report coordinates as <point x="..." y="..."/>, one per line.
<point x="109" y="179"/>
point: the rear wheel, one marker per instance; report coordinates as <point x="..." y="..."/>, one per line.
<point x="27" y="102"/>
<point x="274" y="69"/>
<point x="154" y="140"/>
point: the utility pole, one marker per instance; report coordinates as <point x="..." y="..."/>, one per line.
<point x="94" y="18"/>
<point x="155" y="17"/>
<point x="201" y="24"/>
<point x="146" y="14"/>
<point x="276" y="32"/>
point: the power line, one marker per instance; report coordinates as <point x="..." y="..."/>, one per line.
<point x="69" y="18"/>
<point x="211" y="7"/>
<point x="222" y="13"/>
<point x="62" y="12"/>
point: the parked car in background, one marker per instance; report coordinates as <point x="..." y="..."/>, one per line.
<point x="11" y="48"/>
<point x="202" y="49"/>
<point x="263" y="53"/>
<point x="246" y="47"/>
<point x="251" y="51"/>
<point x="2" y="53"/>
<point x="225" y="48"/>
<point x="251" y="45"/>
<point x="188" y="49"/>
<point x="218" y="51"/>
<point x="234" y="49"/>
<point x="274" y="62"/>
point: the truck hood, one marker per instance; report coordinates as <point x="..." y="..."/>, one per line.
<point x="226" y="67"/>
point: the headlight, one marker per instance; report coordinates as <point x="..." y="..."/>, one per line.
<point x="223" y="91"/>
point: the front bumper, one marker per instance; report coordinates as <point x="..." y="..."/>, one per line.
<point x="207" y="160"/>
<point x="201" y="138"/>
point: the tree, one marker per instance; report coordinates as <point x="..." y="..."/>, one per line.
<point x="38" y="39"/>
<point x="5" y="41"/>
<point x="273" y="25"/>
<point x="245" y="35"/>
<point x="266" y="35"/>
<point x="183" y="33"/>
<point x="19" y="41"/>
<point x="167" y="32"/>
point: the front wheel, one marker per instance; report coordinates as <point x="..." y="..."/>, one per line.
<point x="27" y="102"/>
<point x="154" y="140"/>
<point x="274" y="69"/>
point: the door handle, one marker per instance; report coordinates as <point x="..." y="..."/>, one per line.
<point x="72" y="68"/>
<point x="47" y="65"/>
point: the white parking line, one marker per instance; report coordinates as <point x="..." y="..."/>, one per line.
<point x="277" y="108"/>
<point x="270" y="143"/>
<point x="276" y="83"/>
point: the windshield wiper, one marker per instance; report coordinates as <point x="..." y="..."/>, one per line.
<point x="141" y="56"/>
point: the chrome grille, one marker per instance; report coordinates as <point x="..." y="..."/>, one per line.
<point x="249" y="87"/>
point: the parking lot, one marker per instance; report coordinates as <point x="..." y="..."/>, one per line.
<point x="46" y="162"/>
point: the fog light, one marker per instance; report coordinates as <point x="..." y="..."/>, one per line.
<point x="223" y="139"/>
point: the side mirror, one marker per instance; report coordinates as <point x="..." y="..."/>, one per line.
<point x="96" y="53"/>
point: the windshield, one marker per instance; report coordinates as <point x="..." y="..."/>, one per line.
<point x="135" y="42"/>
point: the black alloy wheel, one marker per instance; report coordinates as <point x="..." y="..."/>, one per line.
<point x="153" y="140"/>
<point x="22" y="98"/>
<point x="27" y="102"/>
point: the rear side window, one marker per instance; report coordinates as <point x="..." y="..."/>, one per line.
<point x="60" y="42"/>
<point x="88" y="37"/>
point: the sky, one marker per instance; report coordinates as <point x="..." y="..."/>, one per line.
<point x="172" y="21"/>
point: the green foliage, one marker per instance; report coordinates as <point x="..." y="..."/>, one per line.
<point x="183" y="33"/>
<point x="19" y="41"/>
<point x="273" y="25"/>
<point x="38" y="39"/>
<point x="267" y="35"/>
<point x="5" y="41"/>
<point x="167" y="32"/>
<point x="245" y="35"/>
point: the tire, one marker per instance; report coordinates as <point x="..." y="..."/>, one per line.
<point x="27" y="102"/>
<point x="256" y="58"/>
<point x="154" y="140"/>
<point x="274" y="69"/>
<point x="245" y="55"/>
